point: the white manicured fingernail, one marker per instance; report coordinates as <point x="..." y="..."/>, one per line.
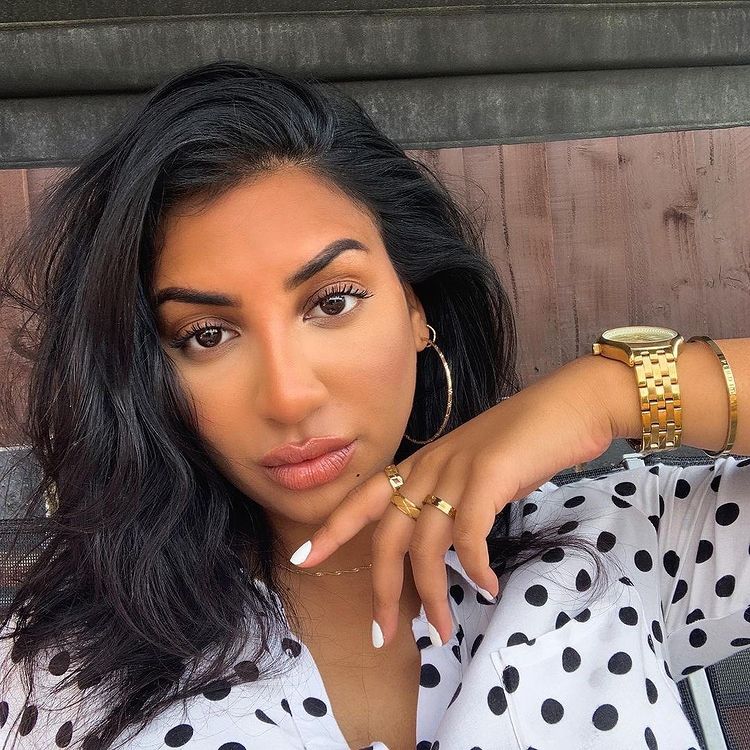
<point x="434" y="635"/>
<point x="486" y="594"/>
<point x="377" y="635"/>
<point x="301" y="554"/>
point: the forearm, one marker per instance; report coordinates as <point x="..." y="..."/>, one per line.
<point x="703" y="392"/>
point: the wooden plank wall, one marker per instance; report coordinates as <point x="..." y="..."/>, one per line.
<point x="586" y="234"/>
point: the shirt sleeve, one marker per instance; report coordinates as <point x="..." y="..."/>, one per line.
<point x="703" y="530"/>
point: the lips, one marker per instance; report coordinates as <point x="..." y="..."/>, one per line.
<point x="313" y="472"/>
<point x="292" y="453"/>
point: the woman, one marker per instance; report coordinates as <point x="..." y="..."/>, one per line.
<point x="239" y="279"/>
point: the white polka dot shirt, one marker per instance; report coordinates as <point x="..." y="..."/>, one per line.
<point x="564" y="659"/>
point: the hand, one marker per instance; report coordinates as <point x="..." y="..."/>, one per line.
<point x="499" y="456"/>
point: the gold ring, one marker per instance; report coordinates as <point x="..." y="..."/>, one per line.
<point x="440" y="504"/>
<point x="405" y="505"/>
<point x="396" y="480"/>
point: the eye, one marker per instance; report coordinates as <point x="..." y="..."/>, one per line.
<point x="207" y="335"/>
<point x="332" y="300"/>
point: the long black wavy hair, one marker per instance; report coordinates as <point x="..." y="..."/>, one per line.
<point x="147" y="559"/>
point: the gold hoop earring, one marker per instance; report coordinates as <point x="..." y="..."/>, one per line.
<point x="431" y="342"/>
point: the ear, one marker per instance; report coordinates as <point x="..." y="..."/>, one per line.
<point x="418" y="318"/>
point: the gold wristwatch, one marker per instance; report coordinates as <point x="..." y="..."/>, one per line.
<point x="652" y="352"/>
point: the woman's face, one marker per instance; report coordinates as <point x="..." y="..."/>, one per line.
<point x="289" y="359"/>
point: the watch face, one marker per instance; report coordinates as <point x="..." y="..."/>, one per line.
<point x="639" y="334"/>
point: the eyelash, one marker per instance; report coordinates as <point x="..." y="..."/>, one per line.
<point x="335" y="291"/>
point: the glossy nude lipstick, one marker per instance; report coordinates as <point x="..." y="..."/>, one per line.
<point x="312" y="472"/>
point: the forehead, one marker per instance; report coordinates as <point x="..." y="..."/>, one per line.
<point x="278" y="220"/>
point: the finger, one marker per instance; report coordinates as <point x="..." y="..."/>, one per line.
<point x="473" y="522"/>
<point x="390" y="542"/>
<point x="432" y="536"/>
<point x="363" y="505"/>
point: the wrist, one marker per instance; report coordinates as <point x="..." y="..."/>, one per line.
<point x="612" y="386"/>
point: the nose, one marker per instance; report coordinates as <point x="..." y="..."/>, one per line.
<point x="288" y="388"/>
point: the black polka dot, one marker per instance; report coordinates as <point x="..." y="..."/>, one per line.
<point x="625" y="580"/>
<point x="691" y="669"/>
<point x="643" y="560"/>
<point x="315" y="707"/>
<point x="650" y="642"/>
<point x="727" y="514"/>
<point x="583" y="616"/>
<point x="528" y="508"/>
<point x="567" y="527"/>
<point x="456" y="592"/>
<point x="429" y="676"/>
<point x="679" y="590"/>
<point x="656" y="630"/>
<point x="747" y="611"/>
<point x="571" y="659"/>
<point x="654" y="522"/>
<point x="553" y="555"/>
<point x="694" y="616"/>
<point x="667" y="670"/>
<point x="455" y="694"/>
<point x="682" y="489"/>
<point x="697" y="637"/>
<point x="456" y="651"/>
<point x="573" y="502"/>
<point x="628" y="616"/>
<point x="59" y="663"/>
<point x="510" y="678"/>
<point x="654" y="470"/>
<point x="264" y="717"/>
<point x="725" y="586"/>
<point x="583" y="580"/>
<point x="605" y="541"/>
<point x="477" y="641"/>
<point x="619" y="663"/>
<point x="562" y="619"/>
<point x="650" y="739"/>
<point x="497" y="701"/>
<point x="64" y="734"/>
<point x="231" y="746"/>
<point x="661" y="506"/>
<point x="28" y="720"/>
<point x="705" y="550"/>
<point x="516" y="638"/>
<point x="619" y="502"/>
<point x="651" y="692"/>
<point x="178" y="736"/>
<point x="85" y="680"/>
<point x="715" y="482"/>
<point x="605" y="717"/>
<point x="625" y="488"/>
<point x="217" y="690"/>
<point x="291" y="647"/>
<point x="552" y="711"/>
<point x="3" y="713"/>
<point x="247" y="670"/>
<point x="536" y="595"/>
<point x="671" y="562"/>
<point x="285" y="706"/>
<point x="740" y="642"/>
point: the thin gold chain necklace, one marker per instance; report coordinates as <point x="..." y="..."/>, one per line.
<point x="327" y="572"/>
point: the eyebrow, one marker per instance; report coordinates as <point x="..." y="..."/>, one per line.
<point x="311" y="268"/>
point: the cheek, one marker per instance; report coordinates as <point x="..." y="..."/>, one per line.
<point x="384" y="386"/>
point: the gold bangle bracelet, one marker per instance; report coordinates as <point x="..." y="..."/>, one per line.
<point x="731" y="392"/>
